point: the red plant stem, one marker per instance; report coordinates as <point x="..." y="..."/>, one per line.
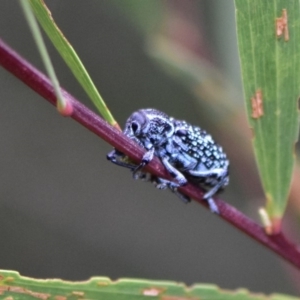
<point x="28" y="74"/>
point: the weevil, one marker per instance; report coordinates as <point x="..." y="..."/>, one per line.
<point x="187" y="152"/>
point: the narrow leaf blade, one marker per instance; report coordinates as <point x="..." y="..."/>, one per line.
<point x="70" y="57"/>
<point x="14" y="286"/>
<point x="270" y="62"/>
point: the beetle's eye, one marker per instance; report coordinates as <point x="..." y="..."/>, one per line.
<point x="134" y="126"/>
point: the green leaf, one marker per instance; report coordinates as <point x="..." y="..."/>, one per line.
<point x="70" y="57"/>
<point x="36" y="33"/>
<point x="18" y="287"/>
<point x="271" y="66"/>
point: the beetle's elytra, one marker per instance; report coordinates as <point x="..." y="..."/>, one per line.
<point x="188" y="153"/>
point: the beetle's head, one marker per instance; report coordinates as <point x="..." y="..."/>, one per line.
<point x="149" y="126"/>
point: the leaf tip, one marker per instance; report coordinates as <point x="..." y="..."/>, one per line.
<point x="266" y="221"/>
<point x="272" y="226"/>
<point x="117" y="126"/>
<point x="276" y="225"/>
<point x="65" y="108"/>
<point x="274" y="216"/>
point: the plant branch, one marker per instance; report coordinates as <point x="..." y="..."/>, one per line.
<point x="28" y="74"/>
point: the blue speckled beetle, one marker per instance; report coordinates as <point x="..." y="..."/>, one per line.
<point x="187" y="152"/>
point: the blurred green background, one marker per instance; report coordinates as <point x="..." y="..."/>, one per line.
<point x="66" y="212"/>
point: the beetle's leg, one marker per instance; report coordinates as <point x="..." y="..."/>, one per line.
<point x="142" y="176"/>
<point x="213" y="190"/>
<point x="162" y="184"/>
<point x="208" y="196"/>
<point x="208" y="173"/>
<point x="212" y="205"/>
<point x="222" y="174"/>
<point x="116" y="157"/>
<point x="182" y="197"/>
<point x="147" y="157"/>
<point x="179" y="177"/>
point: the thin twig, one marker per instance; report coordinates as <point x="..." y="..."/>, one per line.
<point x="28" y="74"/>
